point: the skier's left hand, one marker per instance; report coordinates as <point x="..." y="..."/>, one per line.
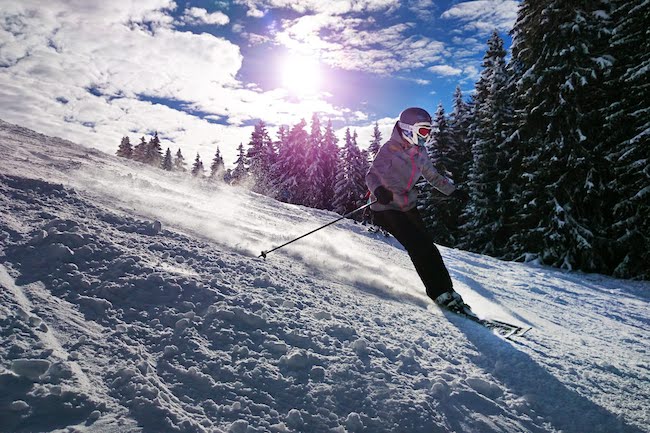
<point x="383" y="194"/>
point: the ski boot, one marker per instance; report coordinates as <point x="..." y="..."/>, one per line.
<point x="453" y="302"/>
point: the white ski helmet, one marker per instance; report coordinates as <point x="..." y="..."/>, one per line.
<point x="415" y="125"/>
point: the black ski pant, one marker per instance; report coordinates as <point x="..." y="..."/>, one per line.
<point x="409" y="229"/>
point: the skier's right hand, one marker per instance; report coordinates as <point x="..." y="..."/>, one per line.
<point x="383" y="194"/>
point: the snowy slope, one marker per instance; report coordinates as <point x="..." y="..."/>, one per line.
<point x="133" y="301"/>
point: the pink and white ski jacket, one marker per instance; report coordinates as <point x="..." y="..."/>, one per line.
<point x="398" y="166"/>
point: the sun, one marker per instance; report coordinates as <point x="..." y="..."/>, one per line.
<point x="301" y="75"/>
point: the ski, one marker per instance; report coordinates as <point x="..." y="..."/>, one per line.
<point x="504" y="329"/>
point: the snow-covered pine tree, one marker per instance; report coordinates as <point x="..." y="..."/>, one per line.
<point x="460" y="158"/>
<point x="375" y="143"/>
<point x="167" y="162"/>
<point x="459" y="161"/>
<point x="260" y="154"/>
<point x="275" y="176"/>
<point x="197" y="167"/>
<point x="361" y="166"/>
<point x="627" y="127"/>
<point x="442" y="135"/>
<point x="179" y="161"/>
<point x="484" y="228"/>
<point x="560" y="207"/>
<point x="439" y="213"/>
<point x="350" y="181"/>
<point x="240" y="172"/>
<point x="329" y="162"/>
<point x="125" y="150"/>
<point x="154" y="151"/>
<point x="217" y="168"/>
<point x="315" y="167"/>
<point x="509" y="161"/>
<point x="140" y="151"/>
<point x="291" y="165"/>
<point x="341" y="190"/>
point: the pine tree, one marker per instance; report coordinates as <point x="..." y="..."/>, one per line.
<point x="375" y="143"/>
<point x="439" y="213"/>
<point x="443" y="140"/>
<point x="217" y="168"/>
<point x="140" y="151"/>
<point x="315" y="167"/>
<point x="275" y="174"/>
<point x="197" y="167"/>
<point x="240" y="172"/>
<point x="260" y="156"/>
<point x="154" y="151"/>
<point x="484" y="229"/>
<point x="461" y="151"/>
<point x="457" y="163"/>
<point x="560" y="220"/>
<point x="329" y="161"/>
<point x="179" y="162"/>
<point x="167" y="163"/>
<point x="350" y="181"/>
<point x="291" y="165"/>
<point x="362" y="166"/>
<point x="627" y="126"/>
<point x="125" y="150"/>
<point x="509" y="162"/>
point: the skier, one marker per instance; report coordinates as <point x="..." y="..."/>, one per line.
<point x="391" y="178"/>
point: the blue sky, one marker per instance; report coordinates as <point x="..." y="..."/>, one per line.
<point x="201" y="73"/>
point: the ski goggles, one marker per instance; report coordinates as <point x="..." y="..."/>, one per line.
<point x="419" y="133"/>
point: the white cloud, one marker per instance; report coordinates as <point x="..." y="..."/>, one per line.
<point x="419" y="81"/>
<point x="445" y="70"/>
<point x="360" y="44"/>
<point x="196" y="16"/>
<point x="117" y="51"/>
<point x="472" y="72"/>
<point x="127" y="51"/>
<point x="483" y="16"/>
<point x="259" y="8"/>
<point x="303" y="34"/>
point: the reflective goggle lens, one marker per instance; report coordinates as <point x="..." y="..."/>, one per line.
<point x="424" y="131"/>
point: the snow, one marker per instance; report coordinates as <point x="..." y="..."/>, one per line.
<point x="601" y="14"/>
<point x="30" y="368"/>
<point x="134" y="301"/>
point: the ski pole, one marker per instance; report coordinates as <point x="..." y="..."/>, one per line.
<point x="264" y="253"/>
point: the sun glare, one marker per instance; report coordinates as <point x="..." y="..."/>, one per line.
<point x="301" y="75"/>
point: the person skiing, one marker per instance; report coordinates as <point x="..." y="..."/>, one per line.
<point x="391" y="179"/>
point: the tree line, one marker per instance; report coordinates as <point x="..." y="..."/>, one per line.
<point x="298" y="167"/>
<point x="552" y="147"/>
<point x="150" y="153"/>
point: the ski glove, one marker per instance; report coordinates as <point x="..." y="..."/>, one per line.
<point x="383" y="194"/>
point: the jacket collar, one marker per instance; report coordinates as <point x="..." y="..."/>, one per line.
<point x="396" y="136"/>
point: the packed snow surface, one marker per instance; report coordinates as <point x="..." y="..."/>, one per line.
<point x="133" y="300"/>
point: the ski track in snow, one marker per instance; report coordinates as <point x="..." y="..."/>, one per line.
<point x="134" y="302"/>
